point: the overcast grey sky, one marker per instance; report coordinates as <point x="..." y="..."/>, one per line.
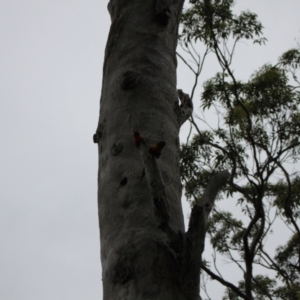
<point x="51" y="54"/>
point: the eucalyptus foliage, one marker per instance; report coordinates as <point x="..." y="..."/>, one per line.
<point x="257" y="139"/>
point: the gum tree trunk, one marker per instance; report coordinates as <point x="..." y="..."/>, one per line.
<point x="145" y="253"/>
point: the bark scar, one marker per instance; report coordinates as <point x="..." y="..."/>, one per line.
<point x="130" y="79"/>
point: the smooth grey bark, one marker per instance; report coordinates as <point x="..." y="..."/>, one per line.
<point x="145" y="252"/>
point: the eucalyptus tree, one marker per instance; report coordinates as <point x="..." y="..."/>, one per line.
<point x="145" y="251"/>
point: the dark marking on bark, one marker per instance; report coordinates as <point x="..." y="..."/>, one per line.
<point x="123" y="270"/>
<point x="130" y="79"/>
<point x="163" y="12"/>
<point x="123" y="181"/>
<point x="116" y="148"/>
<point x="207" y="205"/>
<point x="162" y="17"/>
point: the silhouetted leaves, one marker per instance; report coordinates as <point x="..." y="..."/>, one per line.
<point x="256" y="137"/>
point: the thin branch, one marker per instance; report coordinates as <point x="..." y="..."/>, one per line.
<point x="203" y="285"/>
<point x="186" y="63"/>
<point x="190" y="131"/>
<point x="233" y="49"/>
<point x="214" y="255"/>
<point x="199" y="70"/>
<point x="196" y="53"/>
<point x="191" y="54"/>
<point x="262" y="289"/>
<point x="286" y="205"/>
<point x="274" y="265"/>
<point x="225" y="283"/>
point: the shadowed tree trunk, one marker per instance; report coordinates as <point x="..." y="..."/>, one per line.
<point x="145" y="252"/>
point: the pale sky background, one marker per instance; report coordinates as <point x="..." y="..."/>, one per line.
<point x="51" y="55"/>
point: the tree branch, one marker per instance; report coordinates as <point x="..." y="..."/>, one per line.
<point x="274" y="266"/>
<point x="225" y="283"/>
<point x="195" y="236"/>
<point x="287" y="203"/>
<point x="211" y="191"/>
<point x="186" y="63"/>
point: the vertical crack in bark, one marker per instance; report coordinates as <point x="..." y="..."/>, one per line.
<point x="155" y="181"/>
<point x="157" y="190"/>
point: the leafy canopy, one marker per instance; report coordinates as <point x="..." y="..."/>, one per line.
<point x="256" y="138"/>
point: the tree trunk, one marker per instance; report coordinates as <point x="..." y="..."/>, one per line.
<point x="138" y="92"/>
<point x="144" y="250"/>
